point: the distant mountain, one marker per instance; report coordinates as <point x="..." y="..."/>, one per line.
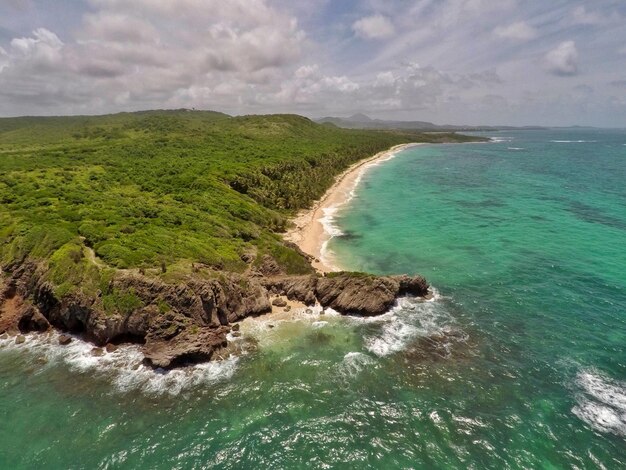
<point x="360" y="117"/>
<point x="362" y="121"/>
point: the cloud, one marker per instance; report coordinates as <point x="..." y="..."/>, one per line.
<point x="581" y="16"/>
<point x="19" y="4"/>
<point x="563" y="60"/>
<point x="374" y="27"/>
<point x="517" y="31"/>
<point x="480" y="60"/>
<point x="618" y="83"/>
<point x="147" y="53"/>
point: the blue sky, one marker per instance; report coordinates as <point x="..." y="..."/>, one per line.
<point x="557" y="62"/>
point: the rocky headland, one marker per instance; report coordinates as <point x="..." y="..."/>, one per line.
<point x="188" y="322"/>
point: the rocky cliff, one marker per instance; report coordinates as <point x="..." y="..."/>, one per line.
<point x="188" y="322"/>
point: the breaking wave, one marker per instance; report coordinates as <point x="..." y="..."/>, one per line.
<point x="123" y="367"/>
<point x="601" y="402"/>
<point x="354" y="363"/>
<point x="410" y="319"/>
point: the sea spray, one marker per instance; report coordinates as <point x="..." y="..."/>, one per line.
<point x="123" y="367"/>
<point x="601" y="401"/>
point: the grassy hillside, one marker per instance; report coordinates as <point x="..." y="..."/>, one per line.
<point x="160" y="190"/>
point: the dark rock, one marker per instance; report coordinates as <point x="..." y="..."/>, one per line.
<point x="363" y="294"/>
<point x="64" y="340"/>
<point x="236" y="334"/>
<point x="235" y="327"/>
<point x="110" y="348"/>
<point x="300" y="288"/>
<point x="416" y="286"/>
<point x="270" y="326"/>
<point x="288" y="308"/>
<point x="279" y="302"/>
<point x="247" y="258"/>
<point x="358" y="294"/>
<point x="269" y="267"/>
<point x="32" y="320"/>
<point x="188" y="322"/>
<point x="97" y="352"/>
<point x="190" y="346"/>
<point x="20" y="339"/>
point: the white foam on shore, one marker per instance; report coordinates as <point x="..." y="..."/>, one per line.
<point x="601" y="402"/>
<point x="328" y="220"/>
<point x="410" y="319"/>
<point x="123" y="367"/>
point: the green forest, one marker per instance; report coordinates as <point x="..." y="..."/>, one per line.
<point x="164" y="192"/>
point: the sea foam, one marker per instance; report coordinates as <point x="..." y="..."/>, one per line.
<point x="123" y="367"/>
<point x="601" y="402"/>
<point x="410" y="319"/>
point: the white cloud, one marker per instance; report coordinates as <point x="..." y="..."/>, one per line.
<point x="4" y="59"/>
<point x="517" y="31"/>
<point x="480" y="59"/>
<point x="374" y="27"/>
<point x="563" y="60"/>
<point x="147" y="52"/>
<point x="307" y="71"/>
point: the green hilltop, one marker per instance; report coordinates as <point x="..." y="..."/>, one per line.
<point x="166" y="191"/>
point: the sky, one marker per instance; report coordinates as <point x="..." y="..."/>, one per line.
<point x="475" y="62"/>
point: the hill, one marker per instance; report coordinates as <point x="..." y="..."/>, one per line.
<point x="173" y="187"/>
<point x="122" y="226"/>
<point x="362" y="121"/>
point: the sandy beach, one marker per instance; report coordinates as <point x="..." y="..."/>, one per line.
<point x="313" y="229"/>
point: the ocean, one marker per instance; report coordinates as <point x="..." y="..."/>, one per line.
<point x="519" y="360"/>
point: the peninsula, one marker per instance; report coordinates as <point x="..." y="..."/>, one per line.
<point x="166" y="228"/>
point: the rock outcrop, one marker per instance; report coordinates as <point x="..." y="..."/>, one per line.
<point x="187" y="322"/>
<point x="349" y="293"/>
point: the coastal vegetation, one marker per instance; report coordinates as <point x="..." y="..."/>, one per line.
<point x="166" y="193"/>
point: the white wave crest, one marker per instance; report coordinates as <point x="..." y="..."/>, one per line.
<point x="355" y="362"/>
<point x="601" y="402"/>
<point x="123" y="367"/>
<point x="410" y="319"/>
<point x="572" y="141"/>
<point x="516" y="148"/>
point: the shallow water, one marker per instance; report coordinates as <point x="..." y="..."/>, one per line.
<point x="518" y="362"/>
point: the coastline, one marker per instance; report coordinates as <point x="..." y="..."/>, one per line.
<point x="205" y="314"/>
<point x="312" y="230"/>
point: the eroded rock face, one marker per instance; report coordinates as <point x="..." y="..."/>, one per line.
<point x="362" y="295"/>
<point x="349" y="293"/>
<point x="188" y="322"/>
<point x="300" y="288"/>
<point x="188" y="346"/>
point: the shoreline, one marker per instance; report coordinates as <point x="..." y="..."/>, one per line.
<point x="312" y="230"/>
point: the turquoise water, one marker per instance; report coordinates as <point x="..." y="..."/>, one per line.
<point x="519" y="361"/>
